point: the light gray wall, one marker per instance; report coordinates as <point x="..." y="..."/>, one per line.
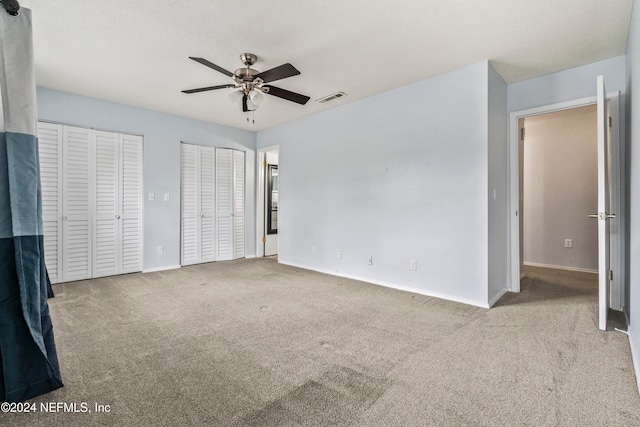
<point x="567" y="85"/>
<point x="560" y="189"/>
<point x="498" y="190"/>
<point x="401" y="175"/>
<point x="161" y="167"/>
<point x="633" y="131"/>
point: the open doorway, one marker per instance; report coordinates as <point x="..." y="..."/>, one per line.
<point x="268" y="201"/>
<point x="549" y="244"/>
<point x="559" y="185"/>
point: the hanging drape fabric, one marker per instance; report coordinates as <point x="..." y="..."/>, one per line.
<point x="29" y="363"/>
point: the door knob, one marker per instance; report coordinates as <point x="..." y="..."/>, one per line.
<point x="64" y="217"/>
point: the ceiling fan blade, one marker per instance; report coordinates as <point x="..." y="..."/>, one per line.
<point x="212" y="65"/>
<point x="204" y="89"/>
<point x="287" y="94"/>
<point x="281" y="72"/>
<point x="245" y="108"/>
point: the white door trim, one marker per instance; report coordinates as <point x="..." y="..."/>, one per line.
<point x="260" y="183"/>
<point x="617" y="241"/>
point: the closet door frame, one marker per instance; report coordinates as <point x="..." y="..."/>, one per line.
<point x="63" y="194"/>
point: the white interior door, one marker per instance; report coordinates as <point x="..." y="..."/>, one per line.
<point x="118" y="207"/>
<point x="207" y="246"/>
<point x="238" y="204"/>
<point x="77" y="204"/>
<point x="130" y="216"/>
<point x="224" y="203"/>
<point x="604" y="213"/>
<point x="50" y="153"/>
<point x="189" y="200"/>
<point x="198" y="204"/>
<point x="105" y="256"/>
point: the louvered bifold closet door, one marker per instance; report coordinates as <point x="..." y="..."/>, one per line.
<point x="190" y="230"/>
<point x="50" y="153"/>
<point x="77" y="202"/>
<point x="238" y="204"/>
<point x="107" y="210"/>
<point x="224" y="203"/>
<point x="207" y="205"/>
<point x="130" y="191"/>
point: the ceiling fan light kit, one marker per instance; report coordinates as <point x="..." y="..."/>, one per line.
<point x="250" y="84"/>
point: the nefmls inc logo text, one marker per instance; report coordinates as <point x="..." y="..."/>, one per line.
<point x="64" y="407"/>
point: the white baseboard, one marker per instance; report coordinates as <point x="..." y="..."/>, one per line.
<point x="152" y="270"/>
<point x="634" y="358"/>
<point x="561" y="267"/>
<point x="389" y="285"/>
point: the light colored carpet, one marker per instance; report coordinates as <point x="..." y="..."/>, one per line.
<point x="252" y="342"/>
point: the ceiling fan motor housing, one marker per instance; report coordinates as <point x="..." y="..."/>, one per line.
<point x="244" y="75"/>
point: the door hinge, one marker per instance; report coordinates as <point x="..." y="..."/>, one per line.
<point x="522" y="132"/>
<point x="264" y="164"/>
<point x="610" y="121"/>
<point x="264" y="240"/>
<point x="610" y="274"/>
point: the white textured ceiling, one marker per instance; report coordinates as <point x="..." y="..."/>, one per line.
<point x="136" y="52"/>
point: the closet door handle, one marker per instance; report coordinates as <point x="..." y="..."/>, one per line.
<point x="64" y="217"/>
<point x="117" y="216"/>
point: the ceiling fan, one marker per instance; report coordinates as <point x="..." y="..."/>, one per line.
<point x="251" y="83"/>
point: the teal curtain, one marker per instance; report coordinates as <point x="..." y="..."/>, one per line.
<point x="27" y="347"/>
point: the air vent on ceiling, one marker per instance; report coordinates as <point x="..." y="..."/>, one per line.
<point x="331" y="97"/>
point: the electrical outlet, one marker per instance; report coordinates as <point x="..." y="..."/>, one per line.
<point x="313" y="249"/>
<point x="167" y="197"/>
<point x="339" y="254"/>
<point x="160" y="249"/>
<point x="370" y="262"/>
<point x="152" y="197"/>
<point x="568" y="243"/>
<point x="413" y="265"/>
